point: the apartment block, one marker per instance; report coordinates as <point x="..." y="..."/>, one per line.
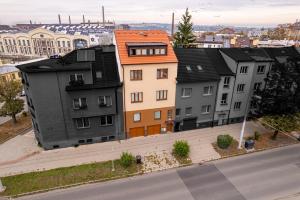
<point x="196" y="91"/>
<point x="76" y="99"/>
<point x="148" y="71"/>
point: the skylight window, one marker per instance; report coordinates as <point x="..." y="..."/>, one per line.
<point x="188" y="68"/>
<point x="199" y="67"/>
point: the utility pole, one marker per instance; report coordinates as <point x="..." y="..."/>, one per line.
<point x="112" y="161"/>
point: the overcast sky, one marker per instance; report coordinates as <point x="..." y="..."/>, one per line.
<point x="206" y="12"/>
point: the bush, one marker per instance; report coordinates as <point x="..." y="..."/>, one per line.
<point x="126" y="159"/>
<point x="256" y="135"/>
<point x="224" y="141"/>
<point x="24" y="114"/>
<point x="181" y="148"/>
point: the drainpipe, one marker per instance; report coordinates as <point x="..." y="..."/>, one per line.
<point x="237" y="64"/>
<point x="216" y="100"/>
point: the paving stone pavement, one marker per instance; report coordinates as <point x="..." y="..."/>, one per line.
<point x="200" y="143"/>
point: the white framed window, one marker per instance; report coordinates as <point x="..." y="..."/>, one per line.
<point x="79" y="103"/>
<point x="144" y="51"/>
<point x="76" y="77"/>
<point x="83" y="122"/>
<point x="137" y="117"/>
<point x="261" y="69"/>
<point x="208" y="90"/>
<point x="199" y="67"/>
<point x="237" y="105"/>
<point x="257" y="85"/>
<point x="224" y="99"/>
<point x="226" y="82"/>
<point x="106" y="120"/>
<point x="240" y="88"/>
<point x="138" y="51"/>
<point x="162" y="51"/>
<point x="105" y="101"/>
<point x="244" y="70"/>
<point x="161" y="95"/>
<point x="188" y="111"/>
<point x="157" y="51"/>
<point x="157" y="114"/>
<point x="98" y="74"/>
<point x="186" y="92"/>
<point x="205" y="109"/>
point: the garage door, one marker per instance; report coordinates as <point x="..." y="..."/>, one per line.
<point x="189" y="124"/>
<point x="155" y="129"/>
<point x="136" y="132"/>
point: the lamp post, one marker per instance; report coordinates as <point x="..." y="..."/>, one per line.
<point x="112" y="161"/>
<point x="2" y="188"/>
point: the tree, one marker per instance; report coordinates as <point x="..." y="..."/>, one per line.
<point x="184" y="36"/>
<point x="282" y="92"/>
<point x="9" y="89"/>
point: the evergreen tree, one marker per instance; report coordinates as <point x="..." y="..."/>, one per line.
<point x="184" y="36"/>
<point x="281" y="94"/>
<point x="9" y="89"/>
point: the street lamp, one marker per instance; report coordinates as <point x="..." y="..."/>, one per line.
<point x="245" y="119"/>
<point x="112" y="161"/>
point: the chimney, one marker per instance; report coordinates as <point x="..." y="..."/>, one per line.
<point x="89" y="21"/>
<point x="30" y="22"/>
<point x="59" y="20"/>
<point x="83" y="19"/>
<point x="172" y="28"/>
<point x="70" y="20"/>
<point x="103" y="16"/>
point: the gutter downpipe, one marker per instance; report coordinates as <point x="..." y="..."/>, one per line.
<point x="237" y="64"/>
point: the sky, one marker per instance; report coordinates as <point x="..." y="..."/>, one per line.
<point x="204" y="12"/>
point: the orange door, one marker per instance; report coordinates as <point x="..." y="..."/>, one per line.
<point x="155" y="129"/>
<point x="170" y="127"/>
<point x="136" y="132"/>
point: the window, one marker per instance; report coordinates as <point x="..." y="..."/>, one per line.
<point x="157" y="51"/>
<point x="79" y="103"/>
<point x="162" y="73"/>
<point x="178" y="111"/>
<point x="138" y="52"/>
<point x="161" y="95"/>
<point x="205" y="109"/>
<point x="188" y="68"/>
<point x="199" y="67"/>
<point x="186" y="92"/>
<point x="83" y="122"/>
<point x="240" y="87"/>
<point x="244" y="70"/>
<point x="224" y="99"/>
<point x="136" y="97"/>
<point x="261" y="69"/>
<point x="144" y="51"/>
<point x="106" y="120"/>
<point x="137" y="117"/>
<point x="76" y="77"/>
<point x="208" y="90"/>
<point x="157" y="114"/>
<point x="188" y="111"/>
<point x="257" y="85"/>
<point x="226" y="82"/>
<point x="170" y="114"/>
<point x="85" y="55"/>
<point x="58" y="43"/>
<point x="105" y="101"/>
<point x="99" y="74"/>
<point x="136" y="75"/>
<point x="237" y="105"/>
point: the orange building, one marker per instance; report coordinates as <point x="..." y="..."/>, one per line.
<point x="148" y="70"/>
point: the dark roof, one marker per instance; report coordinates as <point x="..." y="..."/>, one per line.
<point x="105" y="61"/>
<point x="218" y="61"/>
<point x="257" y="54"/>
<point x="282" y="52"/>
<point x="236" y="54"/>
<point x="193" y="57"/>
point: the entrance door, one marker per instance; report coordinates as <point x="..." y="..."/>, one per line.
<point x="154" y="129"/>
<point x="189" y="124"/>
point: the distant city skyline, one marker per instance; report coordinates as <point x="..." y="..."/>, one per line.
<point x="218" y="12"/>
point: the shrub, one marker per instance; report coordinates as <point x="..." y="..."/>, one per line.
<point x="126" y="159"/>
<point x="181" y="148"/>
<point x="24" y="114"/>
<point x="256" y="135"/>
<point x="224" y="141"/>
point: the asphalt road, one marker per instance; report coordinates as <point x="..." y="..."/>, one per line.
<point x="268" y="175"/>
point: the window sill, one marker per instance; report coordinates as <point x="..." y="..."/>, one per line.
<point x="206" y="113"/>
<point x="224" y="104"/>
<point x="207" y="94"/>
<point x="185" y="97"/>
<point x="106" y="125"/>
<point x="83" y="127"/>
<point x="161" y="99"/>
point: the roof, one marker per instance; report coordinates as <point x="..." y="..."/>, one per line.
<point x="134" y="44"/>
<point x="139" y="36"/>
<point x="281" y="54"/>
<point x="218" y="61"/>
<point x="194" y="57"/>
<point x="7" y="69"/>
<point x="236" y="54"/>
<point x="257" y="54"/>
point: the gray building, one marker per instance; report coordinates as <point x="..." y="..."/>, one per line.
<point x="76" y="99"/>
<point x="196" y="90"/>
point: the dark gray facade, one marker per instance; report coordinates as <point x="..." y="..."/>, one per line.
<point x="59" y="118"/>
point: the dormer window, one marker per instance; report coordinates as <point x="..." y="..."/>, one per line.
<point x="146" y="49"/>
<point x="188" y="68"/>
<point x="199" y="67"/>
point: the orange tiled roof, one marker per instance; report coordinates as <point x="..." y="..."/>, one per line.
<point x="125" y="36"/>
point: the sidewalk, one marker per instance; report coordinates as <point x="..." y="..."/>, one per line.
<point x="200" y="142"/>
